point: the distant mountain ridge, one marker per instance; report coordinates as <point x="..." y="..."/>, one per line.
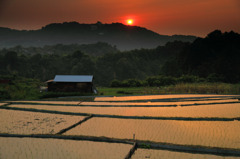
<point x="122" y="36"/>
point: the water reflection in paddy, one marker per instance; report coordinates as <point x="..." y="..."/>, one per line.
<point x="26" y="148"/>
<point x="19" y="122"/>
<point x="151" y="97"/>
<point x="219" y="110"/>
<point x="155" y="154"/>
<point x="158" y="103"/>
<point x="148" y="103"/>
<point x="1" y="104"/>
<point x="205" y="133"/>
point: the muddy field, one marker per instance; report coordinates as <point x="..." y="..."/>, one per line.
<point x="157" y="126"/>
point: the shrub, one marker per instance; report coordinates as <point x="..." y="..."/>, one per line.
<point x="115" y="83"/>
<point x="160" y="81"/>
<point x="126" y="83"/>
<point x="189" y="79"/>
<point x="214" y="78"/>
<point x="132" y="83"/>
<point x="4" y="94"/>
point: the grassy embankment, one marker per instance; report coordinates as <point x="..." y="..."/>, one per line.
<point x="184" y="88"/>
<point x="29" y="89"/>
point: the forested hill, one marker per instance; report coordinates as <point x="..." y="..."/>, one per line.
<point x="122" y="36"/>
<point x="216" y="57"/>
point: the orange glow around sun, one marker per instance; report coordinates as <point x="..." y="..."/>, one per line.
<point x="130" y="22"/>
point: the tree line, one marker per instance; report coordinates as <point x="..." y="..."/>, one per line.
<point x="217" y="55"/>
<point x="163" y="80"/>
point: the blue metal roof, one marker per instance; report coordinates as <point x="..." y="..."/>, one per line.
<point x="73" y="78"/>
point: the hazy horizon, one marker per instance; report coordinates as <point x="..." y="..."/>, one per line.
<point x="186" y="17"/>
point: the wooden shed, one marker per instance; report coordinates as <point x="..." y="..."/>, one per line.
<point x="71" y="83"/>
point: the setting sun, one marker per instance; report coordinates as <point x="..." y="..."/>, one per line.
<point x="129" y="21"/>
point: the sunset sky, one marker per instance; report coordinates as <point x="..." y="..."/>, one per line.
<point x="189" y="17"/>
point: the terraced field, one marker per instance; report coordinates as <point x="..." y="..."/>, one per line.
<point x="158" y="126"/>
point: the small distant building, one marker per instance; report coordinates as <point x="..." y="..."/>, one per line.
<point x="72" y="83"/>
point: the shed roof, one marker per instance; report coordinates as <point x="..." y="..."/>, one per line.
<point x="73" y="78"/>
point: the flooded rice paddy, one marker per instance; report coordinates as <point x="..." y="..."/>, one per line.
<point x="24" y="148"/>
<point x="205" y="133"/>
<point x="164" y="154"/>
<point x="131" y="103"/>
<point x="220" y="111"/>
<point x="107" y="127"/>
<point x="152" y="97"/>
<point x="20" y="122"/>
<point x="1" y="104"/>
